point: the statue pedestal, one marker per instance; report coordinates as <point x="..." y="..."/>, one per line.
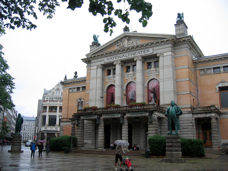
<point x="16" y="144"/>
<point x="173" y="150"/>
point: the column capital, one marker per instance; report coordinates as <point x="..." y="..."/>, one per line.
<point x="138" y="58"/>
<point x="160" y="54"/>
<point x="100" y="67"/>
<point x="118" y="63"/>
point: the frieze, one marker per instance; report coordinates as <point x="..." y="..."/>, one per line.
<point x="129" y="55"/>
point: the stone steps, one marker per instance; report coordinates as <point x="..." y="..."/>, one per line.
<point x="109" y="152"/>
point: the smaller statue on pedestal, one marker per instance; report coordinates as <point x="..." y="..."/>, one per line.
<point x="19" y="122"/>
<point x="95" y="40"/>
<point x="173" y="112"/>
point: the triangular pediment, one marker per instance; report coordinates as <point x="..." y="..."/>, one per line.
<point x="128" y="39"/>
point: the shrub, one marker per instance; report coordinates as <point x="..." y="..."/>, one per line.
<point x="192" y="147"/>
<point x="189" y="147"/>
<point x="59" y="143"/>
<point x="157" y="145"/>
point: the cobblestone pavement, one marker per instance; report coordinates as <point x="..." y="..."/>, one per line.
<point x="92" y="162"/>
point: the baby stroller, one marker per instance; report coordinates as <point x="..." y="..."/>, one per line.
<point x="127" y="164"/>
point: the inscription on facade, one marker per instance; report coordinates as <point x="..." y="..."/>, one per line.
<point x="89" y="117"/>
<point x="111" y="116"/>
<point x="129" y="55"/>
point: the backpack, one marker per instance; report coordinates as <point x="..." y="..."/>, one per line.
<point x="33" y="147"/>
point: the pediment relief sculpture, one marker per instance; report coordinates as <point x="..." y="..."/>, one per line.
<point x="126" y="42"/>
<point x="110" y="79"/>
<point x="152" y="72"/>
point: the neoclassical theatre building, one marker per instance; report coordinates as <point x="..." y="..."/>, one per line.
<point x="150" y="68"/>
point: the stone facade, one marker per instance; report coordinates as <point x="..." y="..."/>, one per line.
<point x="182" y="72"/>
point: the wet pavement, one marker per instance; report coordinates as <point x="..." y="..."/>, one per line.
<point x="93" y="162"/>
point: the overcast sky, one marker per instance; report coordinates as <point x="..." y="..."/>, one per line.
<point x="40" y="58"/>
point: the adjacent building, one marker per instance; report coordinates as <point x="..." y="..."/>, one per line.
<point x="49" y="113"/>
<point x="150" y="68"/>
<point x="28" y="128"/>
<point x="10" y="116"/>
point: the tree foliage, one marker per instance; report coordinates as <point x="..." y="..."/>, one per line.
<point x="6" y="80"/>
<point x="4" y="130"/>
<point x="15" y="12"/>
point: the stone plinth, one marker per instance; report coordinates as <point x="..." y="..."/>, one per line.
<point x="173" y="149"/>
<point x="16" y="144"/>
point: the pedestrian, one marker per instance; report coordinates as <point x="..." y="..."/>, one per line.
<point x="40" y="147"/>
<point x="47" y="148"/>
<point x="119" y="152"/>
<point x="33" y="149"/>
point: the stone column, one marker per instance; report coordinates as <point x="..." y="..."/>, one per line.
<point x="99" y="87"/>
<point x="80" y="135"/>
<point x="214" y="133"/>
<point x="167" y="78"/>
<point x="93" y="84"/>
<point x="118" y="83"/>
<point x="57" y="115"/>
<point x="125" y="129"/>
<point x="101" y="135"/>
<point x="47" y="116"/>
<point x="139" y="80"/>
<point x="153" y="127"/>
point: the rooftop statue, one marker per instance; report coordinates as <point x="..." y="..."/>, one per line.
<point x="95" y="39"/>
<point x="180" y="16"/>
<point x="19" y="122"/>
<point x="173" y="112"/>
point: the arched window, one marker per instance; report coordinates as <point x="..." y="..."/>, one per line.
<point x="80" y="104"/>
<point x="131" y="93"/>
<point x="110" y="95"/>
<point x="153" y="91"/>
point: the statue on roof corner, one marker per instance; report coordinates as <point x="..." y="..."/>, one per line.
<point x="95" y="40"/>
<point x="180" y="16"/>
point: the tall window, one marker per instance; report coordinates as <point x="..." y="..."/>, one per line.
<point x="134" y="68"/>
<point x="109" y="72"/>
<point x="43" y="120"/>
<point x="223" y="91"/>
<point x="114" y="71"/>
<point x="131" y="92"/>
<point x="156" y="64"/>
<point x="52" y="120"/>
<point x="153" y="91"/>
<point x="128" y="69"/>
<point x="149" y="65"/>
<point x="110" y="95"/>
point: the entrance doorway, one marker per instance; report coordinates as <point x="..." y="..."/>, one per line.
<point x="107" y="130"/>
<point x="206" y="130"/>
<point x="130" y="135"/>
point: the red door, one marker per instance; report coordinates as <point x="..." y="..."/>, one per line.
<point x="207" y="138"/>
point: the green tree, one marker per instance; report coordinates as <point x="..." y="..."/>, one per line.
<point x="6" y="80"/>
<point x="15" y="12"/>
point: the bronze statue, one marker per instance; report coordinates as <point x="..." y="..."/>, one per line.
<point x="173" y="112"/>
<point x="180" y="16"/>
<point x="95" y="39"/>
<point x="19" y="122"/>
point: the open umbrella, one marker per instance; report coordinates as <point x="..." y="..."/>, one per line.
<point x="122" y="143"/>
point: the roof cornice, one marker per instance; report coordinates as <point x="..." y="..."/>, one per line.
<point x="223" y="56"/>
<point x="192" y="42"/>
<point x="73" y="81"/>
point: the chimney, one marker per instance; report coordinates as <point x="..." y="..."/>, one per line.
<point x="181" y="28"/>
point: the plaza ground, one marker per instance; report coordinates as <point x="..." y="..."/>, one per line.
<point x="94" y="162"/>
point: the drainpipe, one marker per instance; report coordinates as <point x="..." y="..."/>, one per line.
<point x="197" y="90"/>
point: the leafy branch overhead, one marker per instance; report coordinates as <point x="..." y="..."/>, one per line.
<point x="15" y="12"/>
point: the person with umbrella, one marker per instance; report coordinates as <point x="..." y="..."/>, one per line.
<point x="119" y="151"/>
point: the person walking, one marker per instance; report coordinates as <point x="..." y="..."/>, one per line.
<point x="33" y="149"/>
<point x="119" y="152"/>
<point x="40" y="147"/>
<point x="47" y="148"/>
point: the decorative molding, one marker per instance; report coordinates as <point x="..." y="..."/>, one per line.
<point x="222" y="83"/>
<point x="186" y="92"/>
<point x="105" y="89"/>
<point x="125" y="85"/>
<point x="138" y="58"/>
<point x="152" y="59"/>
<point x="131" y="76"/>
<point x="151" y="78"/>
<point x="186" y="66"/>
<point x="110" y="79"/>
<point x="186" y="79"/>
<point x="152" y="73"/>
<point x="129" y="63"/>
<point x="81" y="85"/>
